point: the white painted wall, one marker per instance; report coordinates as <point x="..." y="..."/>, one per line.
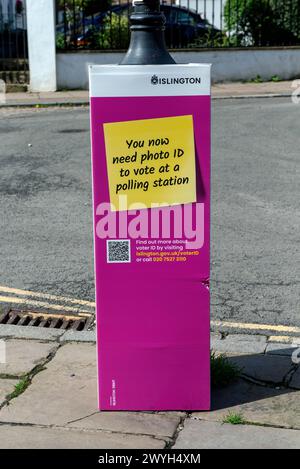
<point x="72" y="68"/>
<point x="41" y="44"/>
<point x="228" y="65"/>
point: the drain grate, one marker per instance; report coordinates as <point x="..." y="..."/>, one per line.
<point x="48" y="320"/>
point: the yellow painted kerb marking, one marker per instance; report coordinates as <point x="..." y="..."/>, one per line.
<point x="42" y="304"/>
<point x="261" y="327"/>
<point x="282" y="339"/>
<point x="45" y="296"/>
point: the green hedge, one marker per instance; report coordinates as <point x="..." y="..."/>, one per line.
<point x="262" y="22"/>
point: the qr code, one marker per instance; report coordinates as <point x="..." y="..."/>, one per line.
<point x="118" y="251"/>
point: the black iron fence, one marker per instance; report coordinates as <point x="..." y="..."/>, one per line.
<point x="13" y="46"/>
<point x="104" y="24"/>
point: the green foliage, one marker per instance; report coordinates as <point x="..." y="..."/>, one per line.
<point x="257" y="79"/>
<point x="275" y="78"/>
<point x="262" y="22"/>
<point x="223" y="372"/>
<point x="20" y="387"/>
<point x="60" y="40"/>
<point x="288" y="14"/>
<point x="113" y="35"/>
<point x="210" y="39"/>
<point x="234" y="419"/>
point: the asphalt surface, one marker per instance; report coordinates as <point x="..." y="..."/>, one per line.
<point x="46" y="222"/>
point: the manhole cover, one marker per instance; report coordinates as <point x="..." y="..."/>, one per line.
<point x="48" y="320"/>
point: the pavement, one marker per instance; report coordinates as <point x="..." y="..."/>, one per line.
<point x="46" y="223"/>
<point x="54" y="405"/>
<point x="219" y="90"/>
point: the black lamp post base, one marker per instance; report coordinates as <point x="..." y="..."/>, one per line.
<point x="147" y="45"/>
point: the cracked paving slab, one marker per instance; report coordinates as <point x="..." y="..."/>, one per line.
<point x="35" y="437"/>
<point x="258" y="404"/>
<point x="212" y="435"/>
<point x="30" y="332"/>
<point x="65" y="394"/>
<point x="236" y="343"/>
<point x="24" y="355"/>
<point x="295" y="381"/>
<point x="281" y="349"/>
<point x="6" y="387"/>
<point x="133" y="422"/>
<point x="265" y="368"/>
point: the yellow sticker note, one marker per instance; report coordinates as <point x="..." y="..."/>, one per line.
<point x="151" y="162"/>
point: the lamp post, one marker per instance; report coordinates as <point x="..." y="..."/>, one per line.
<point x="147" y="45"/>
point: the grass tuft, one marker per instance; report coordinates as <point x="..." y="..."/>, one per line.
<point x="257" y="79"/>
<point x="223" y="372"/>
<point x="234" y="419"/>
<point x="275" y="78"/>
<point x="20" y="387"/>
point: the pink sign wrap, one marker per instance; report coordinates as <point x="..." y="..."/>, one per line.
<point x="152" y="283"/>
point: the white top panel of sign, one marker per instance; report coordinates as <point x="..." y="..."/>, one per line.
<point x="149" y="80"/>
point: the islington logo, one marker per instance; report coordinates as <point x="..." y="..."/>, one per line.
<point x="155" y="80"/>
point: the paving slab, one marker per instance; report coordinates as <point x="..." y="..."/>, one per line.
<point x="23" y="355"/>
<point x="214" y="338"/>
<point x="30" y="332"/>
<point x="295" y="381"/>
<point x="76" y="336"/>
<point x="6" y="387"/>
<point x="280" y="349"/>
<point x="240" y="343"/>
<point x="257" y="404"/>
<point x="198" y="434"/>
<point x="66" y="394"/>
<point x="63" y="392"/>
<point x="27" y="437"/>
<point x="130" y="422"/>
<point x="266" y="368"/>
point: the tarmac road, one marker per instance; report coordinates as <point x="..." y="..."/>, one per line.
<point x="46" y="223"/>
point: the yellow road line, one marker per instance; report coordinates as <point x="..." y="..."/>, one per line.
<point x="261" y="327"/>
<point x="236" y="325"/>
<point x="46" y="296"/>
<point x="42" y="304"/>
<point x="283" y="339"/>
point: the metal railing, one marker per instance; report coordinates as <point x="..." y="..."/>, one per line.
<point x="13" y="48"/>
<point x="104" y="24"/>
